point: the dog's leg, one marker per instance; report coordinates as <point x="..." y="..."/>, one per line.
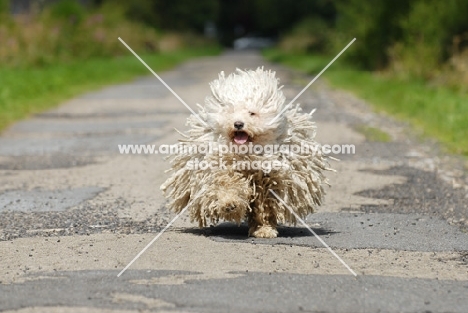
<point x="227" y="197"/>
<point x="231" y="204"/>
<point x="262" y="225"/>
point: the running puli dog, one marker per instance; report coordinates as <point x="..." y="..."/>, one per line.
<point x="238" y="149"/>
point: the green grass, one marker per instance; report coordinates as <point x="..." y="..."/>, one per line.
<point x="437" y="112"/>
<point x="27" y="91"/>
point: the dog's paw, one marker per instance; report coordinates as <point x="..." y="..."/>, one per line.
<point x="264" y="232"/>
<point x="231" y="211"/>
<point x="230" y="208"/>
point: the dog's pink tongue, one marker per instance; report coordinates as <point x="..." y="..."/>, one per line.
<point x="240" y="138"/>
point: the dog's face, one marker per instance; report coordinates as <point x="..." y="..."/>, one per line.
<point x="241" y="123"/>
<point x="243" y="105"/>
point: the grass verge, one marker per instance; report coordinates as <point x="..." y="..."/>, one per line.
<point x="436" y="111"/>
<point x="32" y="90"/>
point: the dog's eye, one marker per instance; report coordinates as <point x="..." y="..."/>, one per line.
<point x="252" y="113"/>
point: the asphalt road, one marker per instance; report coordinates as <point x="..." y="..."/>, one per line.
<point x="74" y="212"/>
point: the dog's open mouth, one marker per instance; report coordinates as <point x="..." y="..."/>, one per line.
<point x="240" y="137"/>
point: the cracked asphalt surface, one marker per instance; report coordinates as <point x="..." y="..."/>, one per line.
<point x="74" y="212"/>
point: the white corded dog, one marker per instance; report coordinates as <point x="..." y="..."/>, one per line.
<point x="247" y="156"/>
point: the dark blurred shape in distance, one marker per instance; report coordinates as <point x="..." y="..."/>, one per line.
<point x="253" y="43"/>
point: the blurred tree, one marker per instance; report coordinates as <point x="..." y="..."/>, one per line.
<point x="277" y="16"/>
<point x="186" y="14"/>
<point x="4" y="7"/>
<point x="375" y="24"/>
<point x="180" y="15"/>
<point x="67" y="10"/>
<point x="5" y="17"/>
<point x="311" y="34"/>
<point x="235" y="19"/>
<point x="268" y="17"/>
<point x="430" y="32"/>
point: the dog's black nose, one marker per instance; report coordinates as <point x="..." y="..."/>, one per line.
<point x="238" y="124"/>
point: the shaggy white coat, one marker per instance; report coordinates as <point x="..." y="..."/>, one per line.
<point x="253" y="98"/>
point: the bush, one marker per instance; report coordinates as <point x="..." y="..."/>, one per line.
<point x="65" y="31"/>
<point x="429" y="32"/>
<point x="414" y="37"/>
<point x="171" y="15"/>
<point x="375" y="25"/>
<point x="67" y="10"/>
<point x="310" y="34"/>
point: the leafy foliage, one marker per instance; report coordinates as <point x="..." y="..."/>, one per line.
<point x="420" y="38"/>
<point x="429" y="32"/>
<point x="375" y="24"/>
<point x="180" y="15"/>
<point x="69" y="10"/>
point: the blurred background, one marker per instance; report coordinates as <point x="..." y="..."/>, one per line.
<point x="416" y="37"/>
<point x="424" y="42"/>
